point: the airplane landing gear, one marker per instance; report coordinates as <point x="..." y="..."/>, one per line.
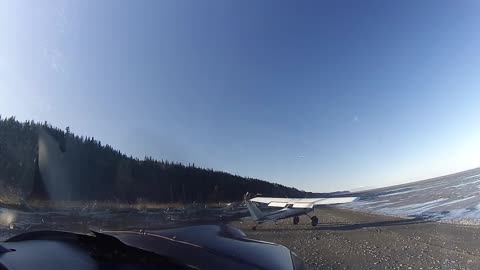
<point x="296" y="220"/>
<point x="314" y="220"/>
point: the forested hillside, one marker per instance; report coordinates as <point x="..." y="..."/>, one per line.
<point x="81" y="168"/>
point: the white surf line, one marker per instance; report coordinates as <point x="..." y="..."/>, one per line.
<point x="472" y="176"/>
<point x="407" y="191"/>
<point x="397" y="193"/>
<point x="457" y="201"/>
<point x="383" y="205"/>
<point x="465" y="183"/>
<point x="408" y="209"/>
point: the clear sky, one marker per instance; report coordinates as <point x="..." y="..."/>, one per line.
<point x="320" y="95"/>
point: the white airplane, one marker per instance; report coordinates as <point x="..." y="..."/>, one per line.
<point x="291" y="207"/>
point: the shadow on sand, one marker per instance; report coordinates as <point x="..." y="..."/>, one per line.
<point x="355" y="226"/>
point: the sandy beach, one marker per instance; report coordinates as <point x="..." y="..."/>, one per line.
<point x="346" y="239"/>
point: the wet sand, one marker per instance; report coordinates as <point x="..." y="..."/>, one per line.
<point x="346" y="239"/>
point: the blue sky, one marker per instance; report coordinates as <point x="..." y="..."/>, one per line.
<point x="320" y="95"/>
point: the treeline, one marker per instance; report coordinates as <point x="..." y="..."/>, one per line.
<point x="38" y="160"/>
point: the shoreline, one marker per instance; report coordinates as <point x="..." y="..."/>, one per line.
<point x="459" y="221"/>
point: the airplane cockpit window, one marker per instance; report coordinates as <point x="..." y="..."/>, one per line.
<point x="217" y="134"/>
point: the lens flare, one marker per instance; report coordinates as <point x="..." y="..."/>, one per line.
<point x="7" y="217"/>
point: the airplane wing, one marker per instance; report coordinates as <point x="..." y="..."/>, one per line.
<point x="301" y="203"/>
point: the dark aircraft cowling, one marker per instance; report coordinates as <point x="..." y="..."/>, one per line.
<point x="197" y="247"/>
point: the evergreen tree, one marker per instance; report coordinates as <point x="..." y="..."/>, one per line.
<point x="92" y="171"/>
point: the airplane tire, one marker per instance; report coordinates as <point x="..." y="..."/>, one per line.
<point x="314" y="221"/>
<point x="296" y="220"/>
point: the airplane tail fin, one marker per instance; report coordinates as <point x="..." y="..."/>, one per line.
<point x="253" y="209"/>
